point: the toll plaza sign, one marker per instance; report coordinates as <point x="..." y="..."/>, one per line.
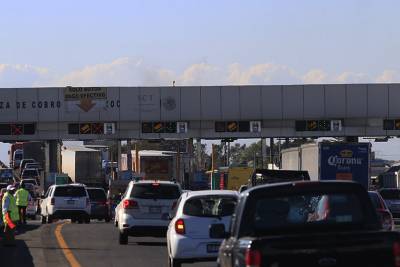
<point x="85" y="99"/>
<point x="79" y="93"/>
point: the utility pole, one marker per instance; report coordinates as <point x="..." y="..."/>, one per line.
<point x="178" y="163"/>
<point x="271" y="152"/>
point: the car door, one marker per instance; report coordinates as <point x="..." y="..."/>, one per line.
<point x="44" y="201"/>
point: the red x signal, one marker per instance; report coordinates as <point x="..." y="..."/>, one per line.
<point x="16" y="129"/>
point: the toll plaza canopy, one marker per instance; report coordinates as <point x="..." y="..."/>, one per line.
<point x="84" y="113"/>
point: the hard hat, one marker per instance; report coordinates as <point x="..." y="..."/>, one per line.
<point x="10" y="187"/>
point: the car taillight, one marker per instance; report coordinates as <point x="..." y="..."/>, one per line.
<point x="180" y="227"/>
<point x="253" y="258"/>
<point x="173" y="205"/>
<point x="130" y="204"/>
<point x="52" y="201"/>
<point x="396" y="254"/>
<point x="386" y="219"/>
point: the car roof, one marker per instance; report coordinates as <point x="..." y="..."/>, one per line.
<point x="211" y="193"/>
<point x="304" y="184"/>
<point x="95" y="188"/>
<point x="65" y="185"/>
<point x="153" y="181"/>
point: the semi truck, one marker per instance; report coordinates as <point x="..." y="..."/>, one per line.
<point x="83" y="165"/>
<point x="331" y="161"/>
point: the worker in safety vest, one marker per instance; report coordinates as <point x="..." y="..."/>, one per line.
<point x="22" y="198"/>
<point x="10" y="216"/>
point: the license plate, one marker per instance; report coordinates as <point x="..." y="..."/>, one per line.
<point x="70" y="202"/>
<point x="155" y="210"/>
<point x="212" y="248"/>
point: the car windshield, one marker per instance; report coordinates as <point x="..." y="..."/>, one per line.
<point x="210" y="206"/>
<point x="6" y="173"/>
<point x="29" y="181"/>
<point x="30" y="173"/>
<point x="390" y="194"/>
<point x="155" y="191"/>
<point x="96" y="194"/>
<point x="70" y="191"/>
<point x="275" y="214"/>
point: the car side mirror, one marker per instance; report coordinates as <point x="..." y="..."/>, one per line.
<point x="218" y="231"/>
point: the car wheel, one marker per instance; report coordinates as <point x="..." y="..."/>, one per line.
<point x="87" y="220"/>
<point x="80" y="221"/>
<point x="173" y="262"/>
<point x="44" y="219"/>
<point x="123" y="238"/>
<point x="107" y="219"/>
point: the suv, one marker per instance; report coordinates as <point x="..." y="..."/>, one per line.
<point x="24" y="162"/>
<point x="30" y="173"/>
<point x="99" y="208"/>
<point x="70" y="201"/>
<point x="144" y="209"/>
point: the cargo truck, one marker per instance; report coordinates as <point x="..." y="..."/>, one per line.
<point x="331" y="161"/>
<point x="156" y="165"/>
<point x="83" y="165"/>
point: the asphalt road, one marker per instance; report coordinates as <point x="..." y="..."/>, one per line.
<point x="94" y="244"/>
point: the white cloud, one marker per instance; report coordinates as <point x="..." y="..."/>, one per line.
<point x="131" y="72"/>
<point x="352" y="77"/>
<point x="201" y="74"/>
<point x="388" y="76"/>
<point x="120" y="72"/>
<point x="315" y="76"/>
<point x="267" y="73"/>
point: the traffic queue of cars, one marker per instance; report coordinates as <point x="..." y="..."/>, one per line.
<point x="285" y="224"/>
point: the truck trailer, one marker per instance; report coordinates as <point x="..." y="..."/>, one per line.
<point x="331" y="161"/>
<point x="83" y="165"/>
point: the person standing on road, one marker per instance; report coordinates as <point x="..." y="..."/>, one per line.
<point x="10" y="216"/>
<point x="22" y="198"/>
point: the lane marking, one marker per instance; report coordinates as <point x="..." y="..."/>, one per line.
<point x="64" y="247"/>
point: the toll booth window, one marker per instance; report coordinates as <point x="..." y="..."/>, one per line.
<point x="5" y="129"/>
<point x="220" y="126"/>
<point x="170" y="127"/>
<point x="301" y="126"/>
<point x="388" y="125"/>
<point x="29" y="128"/>
<point x="244" y="126"/>
<point x="73" y="128"/>
<point x="147" y="127"/>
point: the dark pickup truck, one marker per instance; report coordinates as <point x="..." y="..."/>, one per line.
<point x="310" y="224"/>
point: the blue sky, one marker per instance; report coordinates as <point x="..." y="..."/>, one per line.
<point x="204" y="42"/>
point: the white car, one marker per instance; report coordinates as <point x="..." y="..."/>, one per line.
<point x="188" y="237"/>
<point x="69" y="201"/>
<point x="144" y="209"/>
